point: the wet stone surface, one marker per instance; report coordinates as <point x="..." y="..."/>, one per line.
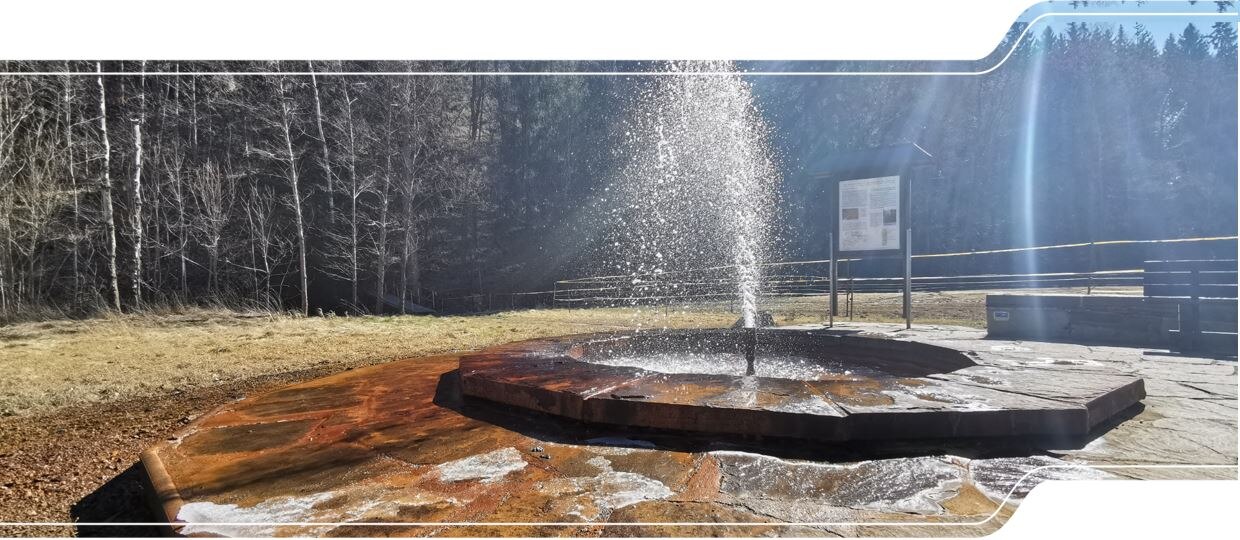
<point x="1013" y="478"/>
<point x="913" y="485"/>
<point x="772" y="366"/>
<point x="395" y="450"/>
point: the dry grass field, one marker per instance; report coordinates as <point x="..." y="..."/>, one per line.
<point x="50" y="365"/>
<point x="53" y="364"/>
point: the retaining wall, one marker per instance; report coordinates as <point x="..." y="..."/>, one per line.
<point x="1133" y="321"/>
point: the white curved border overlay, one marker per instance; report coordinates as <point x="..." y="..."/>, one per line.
<point x="1007" y="498"/>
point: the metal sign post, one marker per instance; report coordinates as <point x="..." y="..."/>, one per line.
<point x="831" y="278"/>
<point x="868" y="196"/>
<point x="868" y="213"/>
<point x="908" y="278"/>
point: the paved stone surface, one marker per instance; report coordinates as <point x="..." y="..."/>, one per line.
<point x="393" y="450"/>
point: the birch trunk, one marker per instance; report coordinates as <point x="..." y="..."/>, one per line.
<point x="354" y="193"/>
<point x="178" y="193"/>
<point x="193" y="112"/>
<point x="109" y="221"/>
<point x="135" y="187"/>
<point x="381" y="251"/>
<point x="287" y="125"/>
<point x="249" y="214"/>
<point x="381" y="243"/>
<point x="135" y="219"/>
<point x="77" y="212"/>
<point x="327" y="162"/>
<point x="406" y="247"/>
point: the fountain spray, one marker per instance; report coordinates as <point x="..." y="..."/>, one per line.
<point x="699" y="186"/>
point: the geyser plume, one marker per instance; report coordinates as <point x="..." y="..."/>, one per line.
<point x="698" y="186"/>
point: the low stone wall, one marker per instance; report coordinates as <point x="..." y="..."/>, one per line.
<point x="1134" y="321"/>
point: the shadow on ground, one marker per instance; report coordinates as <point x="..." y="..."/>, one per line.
<point x="120" y="500"/>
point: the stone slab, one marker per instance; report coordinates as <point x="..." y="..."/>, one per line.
<point x="1100" y="395"/>
<point x="392" y="450"/>
<point x="853" y="408"/>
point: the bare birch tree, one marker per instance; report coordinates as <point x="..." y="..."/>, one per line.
<point x="37" y="201"/>
<point x="212" y="196"/>
<point x="432" y="184"/>
<point x="343" y="240"/>
<point x="75" y="233"/>
<point x="105" y="192"/>
<point x="418" y="131"/>
<point x="177" y="199"/>
<point x="385" y="193"/>
<point x="16" y="108"/>
<point x="135" y="211"/>
<point x="326" y="161"/>
<point x="279" y="115"/>
<point x="286" y="128"/>
<point x="268" y="249"/>
<point x="382" y="224"/>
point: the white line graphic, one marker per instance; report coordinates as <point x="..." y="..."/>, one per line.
<point x="1015" y="45"/>
<point x="1006" y="500"/>
<point x="987" y="519"/>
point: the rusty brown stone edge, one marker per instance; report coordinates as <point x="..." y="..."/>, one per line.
<point x="161" y="493"/>
<point x="162" y="496"/>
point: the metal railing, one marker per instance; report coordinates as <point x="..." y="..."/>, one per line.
<point x="790" y="278"/>
<point x="787" y="280"/>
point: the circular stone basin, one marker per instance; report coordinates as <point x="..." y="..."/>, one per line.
<point x="780" y="354"/>
<point x="809" y="384"/>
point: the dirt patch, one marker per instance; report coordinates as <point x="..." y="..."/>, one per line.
<point x="81" y="463"/>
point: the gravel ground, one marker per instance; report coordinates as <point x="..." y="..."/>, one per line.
<point x="81" y="463"/>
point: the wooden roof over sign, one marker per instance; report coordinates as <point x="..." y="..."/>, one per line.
<point x="881" y="160"/>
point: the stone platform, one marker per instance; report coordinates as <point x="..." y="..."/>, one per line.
<point x="394" y="449"/>
<point x="924" y="392"/>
